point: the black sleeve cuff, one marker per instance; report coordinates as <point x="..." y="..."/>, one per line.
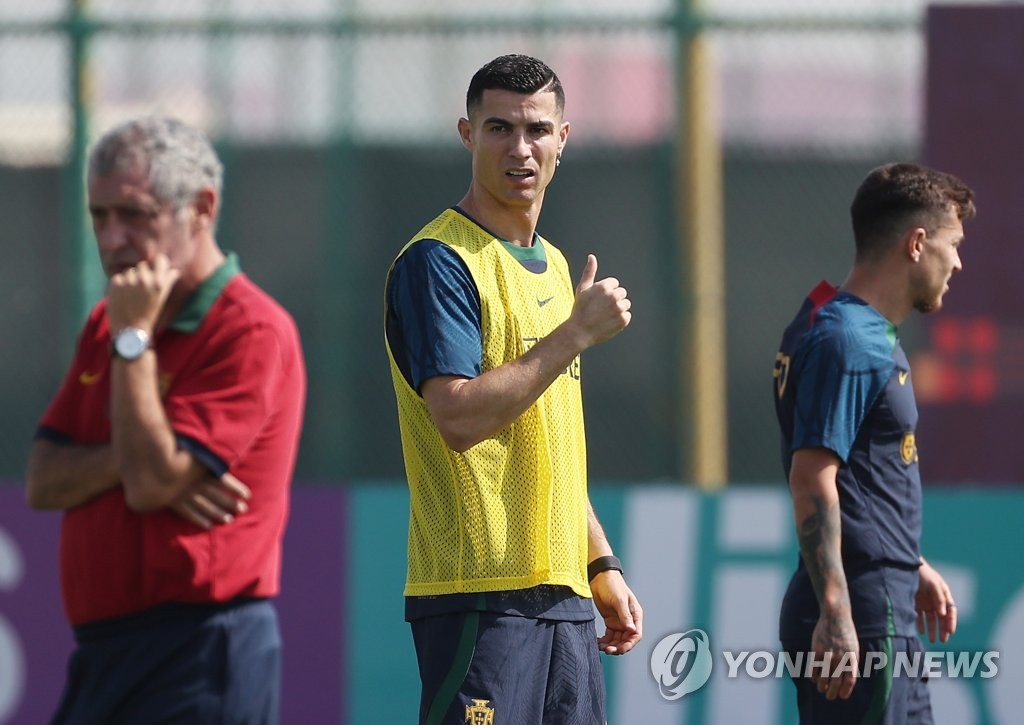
<point x="46" y="433"/>
<point x="203" y="454"/>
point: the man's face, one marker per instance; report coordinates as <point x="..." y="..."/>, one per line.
<point x="939" y="260"/>
<point x="515" y="140"/>
<point x="131" y="226"/>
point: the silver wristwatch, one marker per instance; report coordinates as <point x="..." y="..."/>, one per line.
<point x="129" y="343"/>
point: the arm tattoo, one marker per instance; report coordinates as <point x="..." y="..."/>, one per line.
<point x="819" y="536"/>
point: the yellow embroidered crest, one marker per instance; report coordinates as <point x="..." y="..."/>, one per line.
<point x="479" y="714"/>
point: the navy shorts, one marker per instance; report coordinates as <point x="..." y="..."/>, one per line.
<point x="887" y="696"/>
<point x="179" y="663"/>
<point x="484" y="667"/>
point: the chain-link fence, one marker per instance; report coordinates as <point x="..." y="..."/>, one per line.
<point x="336" y="122"/>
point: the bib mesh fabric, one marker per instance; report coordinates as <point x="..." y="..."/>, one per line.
<point x="511" y="512"/>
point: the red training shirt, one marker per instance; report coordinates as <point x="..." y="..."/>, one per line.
<point x="233" y="382"/>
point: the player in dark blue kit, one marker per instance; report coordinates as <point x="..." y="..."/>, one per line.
<point x="845" y="404"/>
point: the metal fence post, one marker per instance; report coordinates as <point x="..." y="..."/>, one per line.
<point x="699" y="210"/>
<point x="80" y="269"/>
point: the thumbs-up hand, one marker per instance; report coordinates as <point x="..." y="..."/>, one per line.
<point x="601" y="310"/>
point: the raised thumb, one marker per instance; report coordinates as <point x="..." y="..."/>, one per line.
<point x="589" y="273"/>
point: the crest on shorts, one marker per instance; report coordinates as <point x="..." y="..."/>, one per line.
<point x="479" y="714"/>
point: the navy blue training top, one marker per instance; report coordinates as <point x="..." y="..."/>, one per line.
<point x="842" y="382"/>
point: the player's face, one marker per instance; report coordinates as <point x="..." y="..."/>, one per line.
<point x="131" y="226"/>
<point x="939" y="260"/>
<point x="515" y="140"/>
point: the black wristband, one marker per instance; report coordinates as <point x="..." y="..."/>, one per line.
<point x="603" y="563"/>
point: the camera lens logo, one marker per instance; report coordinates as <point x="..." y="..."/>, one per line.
<point x="681" y="663"/>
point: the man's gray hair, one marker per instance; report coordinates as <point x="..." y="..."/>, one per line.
<point x="178" y="159"/>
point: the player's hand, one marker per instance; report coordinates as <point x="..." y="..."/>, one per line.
<point x="834" y="642"/>
<point x="213" y="501"/>
<point x="136" y="296"/>
<point x="623" y="616"/>
<point x="936" y="610"/>
<point x="601" y="310"/>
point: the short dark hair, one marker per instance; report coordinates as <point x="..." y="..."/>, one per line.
<point x="897" y="196"/>
<point x="517" y="73"/>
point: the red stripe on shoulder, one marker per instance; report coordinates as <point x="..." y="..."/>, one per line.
<point x="820" y="296"/>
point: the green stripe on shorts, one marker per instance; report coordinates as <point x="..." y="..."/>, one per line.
<point x="883" y="687"/>
<point x="457" y="674"/>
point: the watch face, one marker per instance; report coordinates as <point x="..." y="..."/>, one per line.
<point x="131" y="342"/>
